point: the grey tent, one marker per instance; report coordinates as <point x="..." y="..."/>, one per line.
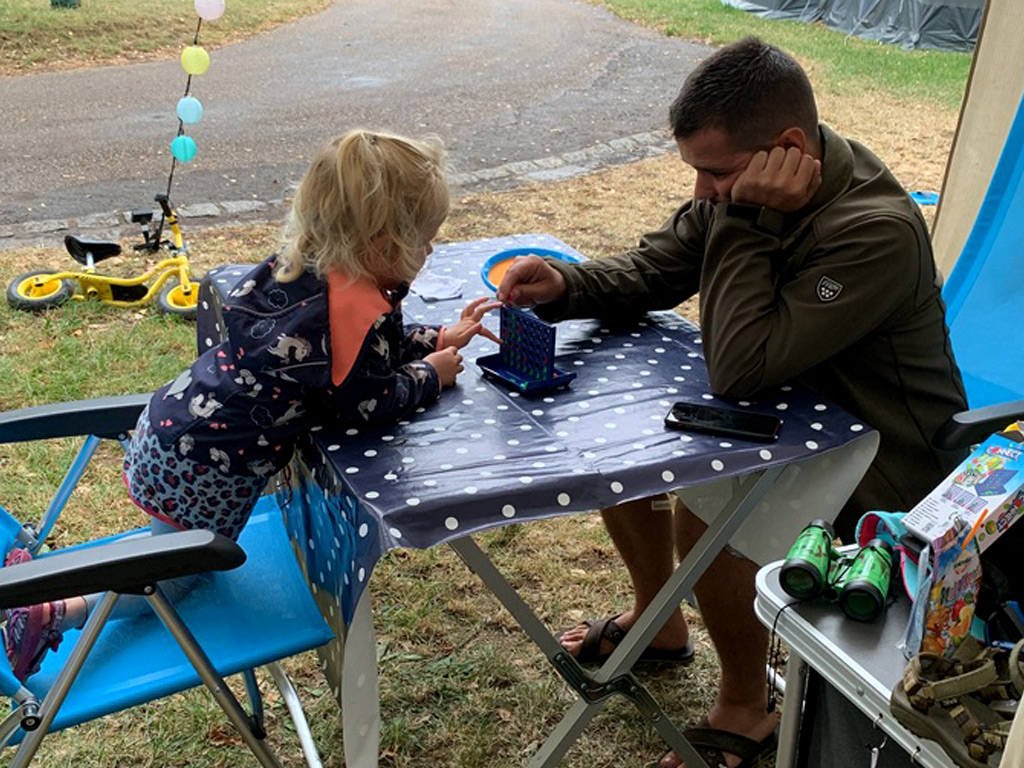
<point x="948" y="25"/>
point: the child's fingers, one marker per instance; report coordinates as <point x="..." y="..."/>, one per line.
<point x="488" y="334"/>
<point x="470" y="309"/>
<point x="480" y="311"/>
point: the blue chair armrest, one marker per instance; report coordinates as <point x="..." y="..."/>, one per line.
<point x="126" y="565"/>
<point x="109" y="417"/>
<point x="969" y="427"/>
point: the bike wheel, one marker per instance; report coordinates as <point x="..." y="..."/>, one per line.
<point x="173" y="300"/>
<point x="23" y="292"/>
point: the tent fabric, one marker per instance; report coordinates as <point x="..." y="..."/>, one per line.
<point x="984" y="289"/>
<point x="946" y="25"/>
<point x="989" y="105"/>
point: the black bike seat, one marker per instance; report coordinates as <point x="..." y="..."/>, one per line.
<point x="100" y="249"/>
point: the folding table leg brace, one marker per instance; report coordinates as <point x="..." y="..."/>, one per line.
<point x="614" y="676"/>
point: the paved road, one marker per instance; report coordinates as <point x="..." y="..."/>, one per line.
<point x="516" y="88"/>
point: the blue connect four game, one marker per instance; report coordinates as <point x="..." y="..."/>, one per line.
<point x="527" y="358"/>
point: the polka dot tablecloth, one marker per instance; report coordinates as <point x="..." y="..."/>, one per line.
<point x="485" y="456"/>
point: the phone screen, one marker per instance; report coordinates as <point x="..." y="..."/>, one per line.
<point x="729" y="422"/>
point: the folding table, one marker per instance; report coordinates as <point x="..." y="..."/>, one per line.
<point x="860" y="660"/>
<point x="484" y="456"/>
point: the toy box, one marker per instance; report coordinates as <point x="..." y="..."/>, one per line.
<point x="961" y="518"/>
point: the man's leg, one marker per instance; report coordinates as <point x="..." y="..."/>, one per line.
<point x="725" y="594"/>
<point x="642" y="533"/>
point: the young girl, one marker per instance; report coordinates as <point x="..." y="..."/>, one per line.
<point x="315" y="335"/>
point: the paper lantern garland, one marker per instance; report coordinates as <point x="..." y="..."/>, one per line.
<point x="195" y="61"/>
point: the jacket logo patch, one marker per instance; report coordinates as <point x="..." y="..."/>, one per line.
<point x="828" y="288"/>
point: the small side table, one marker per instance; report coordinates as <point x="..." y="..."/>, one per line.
<point x="860" y="660"/>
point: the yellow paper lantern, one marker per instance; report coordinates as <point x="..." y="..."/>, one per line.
<point x="195" y="60"/>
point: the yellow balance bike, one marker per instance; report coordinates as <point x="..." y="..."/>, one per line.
<point x="168" y="281"/>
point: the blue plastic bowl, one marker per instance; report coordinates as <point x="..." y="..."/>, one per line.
<point x="512" y="253"/>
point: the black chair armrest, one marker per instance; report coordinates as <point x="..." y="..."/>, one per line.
<point x="108" y="417"/>
<point x="969" y="427"/>
<point x="127" y="565"/>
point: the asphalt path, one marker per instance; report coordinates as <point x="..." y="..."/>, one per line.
<point x="500" y="81"/>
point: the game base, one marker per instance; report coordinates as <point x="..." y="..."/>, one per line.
<point x="492" y="366"/>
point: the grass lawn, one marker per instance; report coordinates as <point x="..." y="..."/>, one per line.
<point x="459" y="685"/>
<point x="36" y="37"/>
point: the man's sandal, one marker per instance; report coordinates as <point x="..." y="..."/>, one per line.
<point x="713" y="744"/>
<point x="934" y="700"/>
<point x="607" y="629"/>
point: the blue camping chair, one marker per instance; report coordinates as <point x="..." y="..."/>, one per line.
<point x="984" y="292"/>
<point x="220" y="628"/>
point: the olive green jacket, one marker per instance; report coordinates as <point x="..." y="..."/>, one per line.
<point x="841" y="297"/>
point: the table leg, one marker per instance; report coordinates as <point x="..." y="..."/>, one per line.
<point x="614" y="676"/>
<point x="792" y="711"/>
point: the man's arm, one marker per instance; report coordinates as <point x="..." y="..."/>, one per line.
<point x="662" y="271"/>
<point x="757" y="334"/>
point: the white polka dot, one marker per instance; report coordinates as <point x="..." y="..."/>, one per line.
<point x="525" y="427"/>
<point x="550" y="448"/>
<point x="370" y="453"/>
<point x="333" y="447"/>
<point x="708" y="396"/>
<point x="725" y="445"/>
<point x="513" y="442"/>
<point x="363" y="530"/>
<point x="811" y="445"/>
<point x="549" y="399"/>
<point x="372" y="495"/>
<point x="451" y="523"/>
<point x="583" y="404"/>
<point x="578" y="362"/>
<point x="502" y="407"/>
<point x="362" y="574"/>
<point x="536" y="412"/>
<point x="525" y="480"/>
<point x="782" y="406"/>
<point x="765" y="454"/>
<point x="717" y="465"/>
<point x="856" y="427"/>
<point x="446" y="466"/>
<point x="351" y="432"/>
<point x="639" y="446"/>
<point x="490" y="421"/>
<point x="817" y="426"/>
<point x="390" y="476"/>
<point x="351" y="470"/>
<point x="600" y="440"/>
<point x="412" y="501"/>
<point x="668" y="476"/>
<point x="387" y="438"/>
<point x="616" y="487"/>
<point x="562" y="433"/>
<point x="430" y="483"/>
<point x="408" y="460"/>
<point x="821" y="407"/>
<point x="395" y="532"/>
<point x="508" y="510"/>
<point x="564" y="499"/>
<point x="470" y="489"/>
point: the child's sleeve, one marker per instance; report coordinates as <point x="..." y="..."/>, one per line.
<point x="373" y="393"/>
<point x="421" y="340"/>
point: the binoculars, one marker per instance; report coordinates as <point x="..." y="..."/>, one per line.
<point x="858" y="582"/>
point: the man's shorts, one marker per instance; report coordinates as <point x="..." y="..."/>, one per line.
<point x="816" y="487"/>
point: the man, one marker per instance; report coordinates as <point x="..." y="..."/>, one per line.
<point x="813" y="267"/>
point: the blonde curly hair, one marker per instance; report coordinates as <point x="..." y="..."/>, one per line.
<point x="363" y="208"/>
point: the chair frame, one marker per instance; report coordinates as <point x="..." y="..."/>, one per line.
<point x="126" y="566"/>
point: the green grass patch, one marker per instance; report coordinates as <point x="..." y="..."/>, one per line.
<point x="35" y="36"/>
<point x="840" y="64"/>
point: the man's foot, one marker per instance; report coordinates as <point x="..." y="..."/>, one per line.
<point x="751" y="735"/>
<point x="29" y="633"/>
<point x="671" y="644"/>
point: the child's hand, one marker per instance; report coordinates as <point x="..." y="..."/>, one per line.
<point x="448" y="364"/>
<point x="460" y="334"/>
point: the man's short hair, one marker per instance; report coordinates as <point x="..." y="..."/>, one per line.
<point x="750" y="90"/>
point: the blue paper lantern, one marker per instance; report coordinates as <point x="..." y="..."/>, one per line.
<point x="183" y="148"/>
<point x="189" y="109"/>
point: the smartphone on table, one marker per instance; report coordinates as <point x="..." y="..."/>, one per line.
<point x="727" y="422"/>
